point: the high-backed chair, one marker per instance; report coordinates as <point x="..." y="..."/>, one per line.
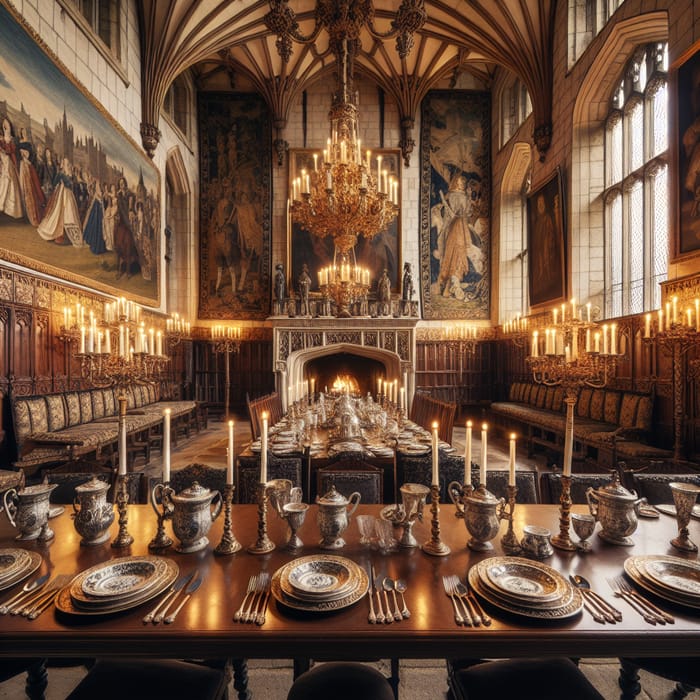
<point x="526" y="481"/>
<point x="550" y="486"/>
<point x="418" y="469"/>
<point x="655" y="487"/>
<point x="213" y="478"/>
<point x="277" y="468"/>
<point x="76" y="473"/>
<point x="350" y="474"/>
<point x="270" y="404"/>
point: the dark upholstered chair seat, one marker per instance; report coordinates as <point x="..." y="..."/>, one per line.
<point x="525" y="679"/>
<point x="140" y="679"/>
<point x="655" y="487"/>
<point x="341" y="681"/>
<point x="550" y="486"/>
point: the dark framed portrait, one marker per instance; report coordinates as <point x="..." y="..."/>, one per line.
<point x="380" y="252"/>
<point x="685" y="140"/>
<point x="546" y="242"/>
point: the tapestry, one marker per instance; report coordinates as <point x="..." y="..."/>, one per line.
<point x="235" y="206"/>
<point x="455" y="196"/>
<point x="79" y="199"/>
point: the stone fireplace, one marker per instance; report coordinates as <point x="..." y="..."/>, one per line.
<point x="369" y="348"/>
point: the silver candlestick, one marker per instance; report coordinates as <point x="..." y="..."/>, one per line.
<point x="229" y="544"/>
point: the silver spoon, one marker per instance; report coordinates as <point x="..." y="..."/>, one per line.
<point x="401" y="587"/>
<point x="389" y="586"/>
<point x="610" y="613"/>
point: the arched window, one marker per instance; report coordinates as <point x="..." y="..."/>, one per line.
<point x="515" y="108"/>
<point x="102" y="19"/>
<point x="636" y="185"/>
<point x="177" y="104"/>
<point x="586" y="19"/>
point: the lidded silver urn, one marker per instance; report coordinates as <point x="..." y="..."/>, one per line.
<point x="334" y="516"/>
<point x="193" y="516"/>
<point x="616" y="509"/>
<point x="95" y="515"/>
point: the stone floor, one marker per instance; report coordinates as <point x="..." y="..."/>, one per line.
<point x="270" y="679"/>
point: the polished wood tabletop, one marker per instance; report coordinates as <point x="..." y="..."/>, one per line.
<point x="205" y="626"/>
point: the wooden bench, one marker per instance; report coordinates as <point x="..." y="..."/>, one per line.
<point x="608" y="424"/>
<point x="56" y="428"/>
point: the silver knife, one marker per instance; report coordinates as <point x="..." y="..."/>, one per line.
<point x="174" y="590"/>
<point x="188" y="593"/>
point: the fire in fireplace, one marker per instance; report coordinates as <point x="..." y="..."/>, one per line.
<point x="335" y="373"/>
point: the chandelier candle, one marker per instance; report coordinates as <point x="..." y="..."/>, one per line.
<point x="166" y="446"/>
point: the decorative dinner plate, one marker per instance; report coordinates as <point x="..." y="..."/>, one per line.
<point x="121" y="577"/>
<point x="322" y="605"/>
<point x="12" y="561"/>
<point x="319" y="577"/>
<point x="571" y="605"/>
<point x="33" y="563"/>
<point x="670" y="509"/>
<point x="522" y="580"/>
<point x="648" y="584"/>
<point x="678" y="574"/>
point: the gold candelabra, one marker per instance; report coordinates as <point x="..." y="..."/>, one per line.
<point x="176" y="330"/>
<point x="345" y="283"/>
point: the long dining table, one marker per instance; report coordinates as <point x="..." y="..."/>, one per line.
<point x="205" y="627"/>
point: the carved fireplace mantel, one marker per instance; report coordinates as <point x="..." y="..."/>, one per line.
<point x="296" y="341"/>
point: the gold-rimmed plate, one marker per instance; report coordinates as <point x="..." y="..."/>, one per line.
<point x="12" y="561"/>
<point x="29" y="568"/>
<point x="570" y="605"/>
<point x="323" y="605"/>
<point x="678" y="575"/>
<point x="632" y="569"/>
<point x="522" y="580"/>
<point x="319" y="577"/>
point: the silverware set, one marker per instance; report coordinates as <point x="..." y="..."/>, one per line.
<point x="161" y="611"/>
<point x="650" y="612"/>
<point x="35" y="597"/>
<point x="257" y="596"/>
<point x="466" y="607"/>
<point x="599" y="608"/>
<point x="381" y="587"/>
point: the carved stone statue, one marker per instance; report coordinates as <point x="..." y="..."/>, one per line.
<point x="304" y="285"/>
<point x="280" y="284"/>
<point x="384" y="294"/>
<point x="407" y="289"/>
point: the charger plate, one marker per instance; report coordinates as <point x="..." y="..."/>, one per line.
<point x="289" y="599"/>
<point x="12" y="561"/>
<point x="678" y="575"/>
<point x="521" y="580"/>
<point x="30" y="567"/>
<point x="633" y="568"/>
<point x="121" y="578"/>
<point x="319" y="576"/>
<point x="571" y="604"/>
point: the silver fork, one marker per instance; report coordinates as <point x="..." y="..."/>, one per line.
<point x="252" y="581"/>
<point x="471" y="597"/>
<point x="615" y="587"/>
<point x="466" y="611"/>
<point x="450" y="593"/>
<point x="625" y="586"/>
<point x="49" y="593"/>
<point x="252" y="612"/>
<point x="265" y="584"/>
<point x="462" y="593"/>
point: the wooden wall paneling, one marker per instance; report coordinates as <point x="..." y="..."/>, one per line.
<point x="21" y="350"/>
<point x="42" y="348"/>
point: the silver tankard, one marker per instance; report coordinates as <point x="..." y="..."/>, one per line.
<point x="95" y="515"/>
<point x="28" y="511"/>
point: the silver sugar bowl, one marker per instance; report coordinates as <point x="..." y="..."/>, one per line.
<point x="616" y="509"/>
<point x="334" y="517"/>
<point x="95" y="515"/>
<point x="28" y="511"/>
<point x="193" y="516"/>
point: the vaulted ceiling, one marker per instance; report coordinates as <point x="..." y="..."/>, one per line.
<point x="455" y="36"/>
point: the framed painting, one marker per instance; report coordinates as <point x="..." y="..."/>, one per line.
<point x="234" y="206"/>
<point x="455" y="196"/>
<point x="79" y="199"/>
<point x="546" y="242"/>
<point x="380" y="252"/>
<point x="685" y="137"/>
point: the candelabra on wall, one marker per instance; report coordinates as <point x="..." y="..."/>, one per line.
<point x="516" y="330"/>
<point x="176" y="330"/>
<point x="226" y="340"/>
<point x="572" y="352"/>
<point x="676" y="329"/>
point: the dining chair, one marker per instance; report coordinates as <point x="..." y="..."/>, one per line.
<point x="417" y="469"/>
<point x="352" y="473"/>
<point x="526" y="481"/>
<point x="140" y="679"/>
<point x="684" y="671"/>
<point x="75" y="473"/>
<point x="655" y="487"/>
<point x="341" y="680"/>
<point x="550" y="486"/>
<point x="248" y="476"/>
<point x="525" y="679"/>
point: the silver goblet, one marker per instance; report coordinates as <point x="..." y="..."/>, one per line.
<point x="294" y="514"/>
<point x="684" y="496"/>
<point x="583" y="524"/>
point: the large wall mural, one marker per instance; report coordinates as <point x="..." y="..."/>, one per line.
<point x="78" y="198"/>
<point x="455" y="235"/>
<point x="235" y="205"/>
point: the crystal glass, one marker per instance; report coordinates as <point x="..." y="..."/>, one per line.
<point x="583" y="524"/>
<point x="385" y="535"/>
<point x="365" y="524"/>
<point x="684" y="496"/>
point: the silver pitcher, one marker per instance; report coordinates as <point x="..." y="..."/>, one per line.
<point x="334" y="517"/>
<point x="479" y="507"/>
<point x="28" y="511"/>
<point x="95" y="515"/>
<point x="193" y="516"/>
<point x="616" y="509"/>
